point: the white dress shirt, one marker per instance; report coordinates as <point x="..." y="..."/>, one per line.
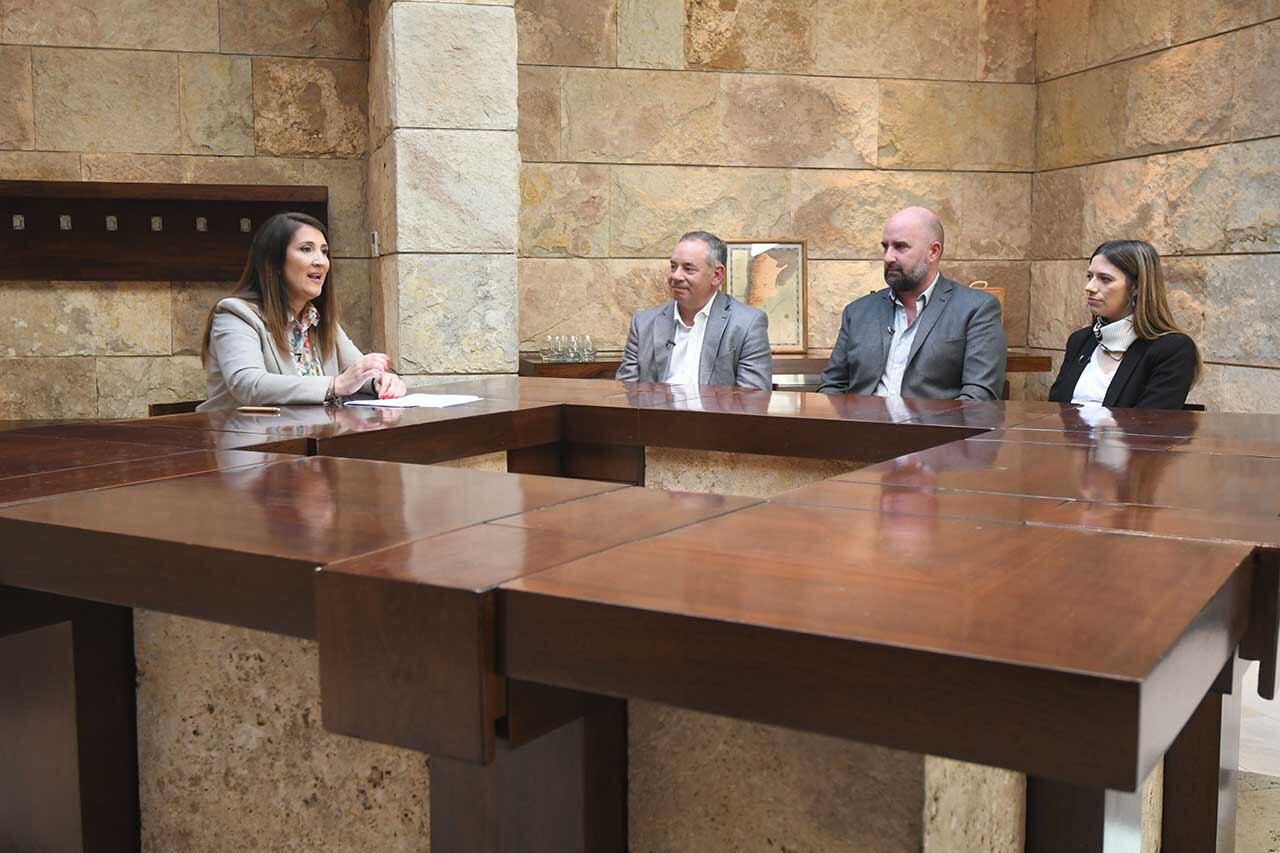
<point x="1091" y="387"/>
<point x="686" y="355"/>
<point x="904" y="334"/>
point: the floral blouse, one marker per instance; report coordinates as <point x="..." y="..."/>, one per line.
<point x="300" y="342"/>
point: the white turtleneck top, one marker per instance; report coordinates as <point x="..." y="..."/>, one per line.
<point x="1091" y="387"/>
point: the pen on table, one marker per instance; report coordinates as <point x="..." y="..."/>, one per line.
<point x="259" y="410"/>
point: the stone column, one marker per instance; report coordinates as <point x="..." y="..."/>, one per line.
<point x="443" y="186"/>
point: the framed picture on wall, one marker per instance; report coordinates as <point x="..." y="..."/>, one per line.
<point x="772" y="275"/>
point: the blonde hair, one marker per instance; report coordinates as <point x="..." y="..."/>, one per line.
<point x="1148" y="299"/>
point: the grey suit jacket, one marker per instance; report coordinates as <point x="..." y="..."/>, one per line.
<point x="246" y="369"/>
<point x="735" y="348"/>
<point x="958" y="353"/>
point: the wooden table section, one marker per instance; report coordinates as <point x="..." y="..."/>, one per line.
<point x="1011" y="585"/>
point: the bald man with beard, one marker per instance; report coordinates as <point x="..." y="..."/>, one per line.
<point x="922" y="336"/>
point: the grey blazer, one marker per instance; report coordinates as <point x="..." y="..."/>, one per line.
<point x="958" y="353"/>
<point x="735" y="348"/>
<point x="245" y="369"/>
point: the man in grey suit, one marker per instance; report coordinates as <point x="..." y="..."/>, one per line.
<point x="702" y="336"/>
<point x="922" y="336"/>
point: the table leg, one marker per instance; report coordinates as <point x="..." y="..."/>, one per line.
<point x="564" y="791"/>
<point x="1067" y="818"/>
<point x="68" y="737"/>
<point x="1200" y="772"/>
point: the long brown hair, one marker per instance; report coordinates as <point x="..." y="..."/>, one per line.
<point x="262" y="284"/>
<point x="1148" y="299"/>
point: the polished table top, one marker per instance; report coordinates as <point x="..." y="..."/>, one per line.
<point x="970" y="564"/>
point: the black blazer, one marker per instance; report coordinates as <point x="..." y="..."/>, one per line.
<point x="1152" y="375"/>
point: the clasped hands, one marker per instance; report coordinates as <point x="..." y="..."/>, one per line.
<point x="375" y="366"/>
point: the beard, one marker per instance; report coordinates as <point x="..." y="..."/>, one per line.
<point x="903" y="280"/>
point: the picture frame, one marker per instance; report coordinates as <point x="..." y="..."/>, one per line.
<point x="773" y="275"/>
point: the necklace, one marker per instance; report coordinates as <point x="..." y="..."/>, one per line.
<point x="1115" y="355"/>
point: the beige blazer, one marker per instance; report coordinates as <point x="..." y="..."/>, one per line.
<point x="245" y="369"/>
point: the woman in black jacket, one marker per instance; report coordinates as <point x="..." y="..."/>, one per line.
<point x="1134" y="355"/>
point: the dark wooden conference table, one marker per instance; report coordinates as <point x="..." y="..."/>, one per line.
<point x="1009" y="584"/>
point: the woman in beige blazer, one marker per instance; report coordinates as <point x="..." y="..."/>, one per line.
<point x="276" y="340"/>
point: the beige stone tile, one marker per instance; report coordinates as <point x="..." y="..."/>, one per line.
<point x="127" y="385"/>
<point x="41" y="388"/>
<point x="105" y="100"/>
<point x="828" y="122"/>
<point x="134" y="24"/>
<point x="232" y="753"/>
<point x="1007" y="38"/>
<point x="1178" y="98"/>
<point x="1193" y="19"/>
<point x="1125" y="199"/>
<point x="1186" y="285"/>
<point x="842" y="214"/>
<point x="651" y="206"/>
<point x="39" y="166"/>
<point x="651" y="33"/>
<point x="699" y="782"/>
<point x="348" y="203"/>
<point x="832" y="286"/>
<point x="1081" y="118"/>
<point x="1254" y="105"/>
<point x="1036" y="386"/>
<point x="630" y="116"/>
<point x="351" y="277"/>
<point x="1258" y="814"/>
<point x="864" y="38"/>
<point x="337" y="29"/>
<point x="1014" y="277"/>
<point x="453" y="66"/>
<point x="641" y="116"/>
<point x="1228" y="388"/>
<point x="311" y="107"/>
<point x="192" y="301"/>
<point x="1241" y="316"/>
<point x="968" y="807"/>
<point x="381" y="180"/>
<point x="216" y="103"/>
<point x="1062" y="37"/>
<point x="752" y="35"/>
<point x="180" y="169"/>
<point x="989" y="126"/>
<point x="1223" y="199"/>
<point x="17" y="123"/>
<point x="567" y="32"/>
<point x="382" y="71"/>
<point x="384" y="305"/>
<point x="84" y="318"/>
<point x="473" y="201"/>
<point x="564" y="210"/>
<point x="539" y="112"/>
<point x="1058" y="205"/>
<point x="1057" y="303"/>
<point x="457" y="313"/>
<point x="995" y="218"/>
<point x="579" y="296"/>
<point x="1121" y="28"/>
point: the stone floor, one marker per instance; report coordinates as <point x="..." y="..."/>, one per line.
<point x="1258" y="821"/>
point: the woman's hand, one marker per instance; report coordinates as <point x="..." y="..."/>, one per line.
<point x="389" y="385"/>
<point x="365" y="368"/>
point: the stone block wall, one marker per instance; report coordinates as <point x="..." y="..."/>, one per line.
<point x="1159" y="121"/>
<point x="197" y="91"/>
<point x="765" y="118"/>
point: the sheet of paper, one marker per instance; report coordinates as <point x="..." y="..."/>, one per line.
<point x="417" y="401"/>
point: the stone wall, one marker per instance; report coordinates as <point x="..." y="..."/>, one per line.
<point x="197" y="91"/>
<point x="641" y="119"/>
<point x="1159" y="121"/>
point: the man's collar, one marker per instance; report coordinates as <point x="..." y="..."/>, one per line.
<point x="923" y="299"/>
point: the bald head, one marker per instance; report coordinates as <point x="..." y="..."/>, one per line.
<point x="922" y="219"/>
<point x="912" y="247"/>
